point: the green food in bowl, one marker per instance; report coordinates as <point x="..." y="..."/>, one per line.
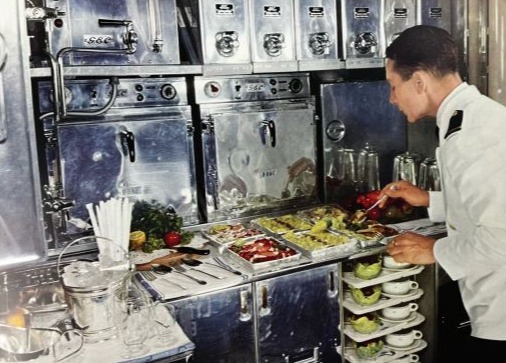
<point x="369" y="349"/>
<point x="365" y="324"/>
<point x="367" y="295"/>
<point x="368" y="269"/>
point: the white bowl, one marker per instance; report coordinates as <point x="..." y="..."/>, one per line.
<point x="399" y="287"/>
<point x="389" y="262"/>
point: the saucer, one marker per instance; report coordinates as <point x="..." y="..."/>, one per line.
<point x="410" y="293"/>
<point x="414" y="345"/>
<point x="411" y="316"/>
<point x="400" y="269"/>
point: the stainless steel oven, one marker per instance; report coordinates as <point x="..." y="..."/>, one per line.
<point x="436" y="13"/>
<point x="130" y="137"/>
<point x="259" y="143"/>
<point x="101" y="32"/>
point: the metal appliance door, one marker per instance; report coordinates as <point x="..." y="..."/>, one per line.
<point x="145" y="158"/>
<point x="273" y="43"/>
<point x="298" y="316"/>
<point x="316" y="27"/>
<point x="146" y="28"/>
<point x="249" y="149"/>
<point x="355" y="113"/>
<point x="225" y="31"/>
<point x="436" y="13"/>
<point x="220" y="324"/>
<point x="363" y="33"/>
<point x="399" y="15"/>
<point x="21" y="221"/>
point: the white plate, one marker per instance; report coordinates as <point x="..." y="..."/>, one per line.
<point x="411" y="316"/>
<point x="415" y="345"/>
<point x="410" y="293"/>
<point x="400" y="269"/>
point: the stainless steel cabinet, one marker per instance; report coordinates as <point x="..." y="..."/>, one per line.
<point x="289" y="318"/>
<point x="298" y="316"/>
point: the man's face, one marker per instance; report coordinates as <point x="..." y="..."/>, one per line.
<point x="404" y="94"/>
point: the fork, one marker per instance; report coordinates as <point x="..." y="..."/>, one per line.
<point x="150" y="276"/>
<point x="180" y="270"/>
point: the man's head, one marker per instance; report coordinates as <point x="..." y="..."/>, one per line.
<point x="422" y="69"/>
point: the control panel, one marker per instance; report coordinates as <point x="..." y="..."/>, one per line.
<point x="251" y="88"/>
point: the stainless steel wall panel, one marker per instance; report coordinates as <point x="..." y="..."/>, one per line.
<point x="21" y="217"/>
<point x="225" y="36"/>
<point x="272" y="36"/>
<point x="436" y="13"/>
<point x="398" y="16"/>
<point x="97" y="30"/>
<point x="363" y="33"/>
<point x="316" y="34"/>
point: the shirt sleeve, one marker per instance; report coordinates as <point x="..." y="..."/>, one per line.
<point x="436" y="207"/>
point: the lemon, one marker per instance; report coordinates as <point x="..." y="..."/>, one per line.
<point x="137" y="239"/>
<point x="16" y="318"/>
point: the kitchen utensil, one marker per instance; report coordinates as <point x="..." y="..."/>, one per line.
<point x="163" y="269"/>
<point x="150" y="276"/>
<point x="360" y="215"/>
<point x="224" y="266"/>
<point x="191" y="250"/>
<point x="192" y="262"/>
<point x="18" y="345"/>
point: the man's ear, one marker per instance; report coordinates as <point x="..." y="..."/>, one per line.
<point x="420" y="81"/>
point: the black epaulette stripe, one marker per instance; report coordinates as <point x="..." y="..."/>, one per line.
<point x="455" y="123"/>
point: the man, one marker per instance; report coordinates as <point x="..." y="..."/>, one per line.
<point x="422" y="69"/>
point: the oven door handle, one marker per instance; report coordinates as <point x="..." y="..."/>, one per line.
<point x="268" y="128"/>
<point x="128" y="143"/>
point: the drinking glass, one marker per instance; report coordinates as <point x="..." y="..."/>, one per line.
<point x="347" y="167"/>
<point x="404" y="168"/>
<point x="164" y="325"/>
<point x="429" y="178"/>
<point x="134" y="314"/>
<point x="367" y="170"/>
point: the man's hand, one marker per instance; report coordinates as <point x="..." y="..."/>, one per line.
<point x="412" y="248"/>
<point x="412" y="194"/>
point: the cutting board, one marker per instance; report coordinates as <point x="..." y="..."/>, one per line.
<point x="173" y="257"/>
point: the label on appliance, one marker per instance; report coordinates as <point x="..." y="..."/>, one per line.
<point x="316" y="11"/>
<point x="98" y="41"/>
<point x="361" y="13"/>
<point x="272" y="11"/>
<point x="435" y="12"/>
<point x="255" y="87"/>
<point x="400" y="13"/>
<point x="224" y="9"/>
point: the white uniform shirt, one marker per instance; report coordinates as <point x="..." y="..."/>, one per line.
<point x="472" y="162"/>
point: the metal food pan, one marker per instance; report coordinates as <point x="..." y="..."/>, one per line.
<point x="257" y="223"/>
<point x="267" y="265"/>
<point x="326" y="251"/>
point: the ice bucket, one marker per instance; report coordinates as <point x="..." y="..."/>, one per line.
<point x="90" y="288"/>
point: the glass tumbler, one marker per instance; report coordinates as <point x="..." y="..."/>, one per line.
<point x="367" y="170"/>
<point x="429" y="178"/>
<point x="404" y="168"/>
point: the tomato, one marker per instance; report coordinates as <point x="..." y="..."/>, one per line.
<point x="172" y="238"/>
<point x="374" y="214"/>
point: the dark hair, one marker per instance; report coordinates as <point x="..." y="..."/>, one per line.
<point x="426" y="48"/>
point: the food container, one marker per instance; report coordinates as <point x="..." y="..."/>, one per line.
<point x="221" y="234"/>
<point x="282" y="224"/>
<point x="90" y="288"/>
<point x="261" y="253"/>
<point x="321" y="245"/>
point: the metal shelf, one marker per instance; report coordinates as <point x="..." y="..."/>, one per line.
<point x="121" y="70"/>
